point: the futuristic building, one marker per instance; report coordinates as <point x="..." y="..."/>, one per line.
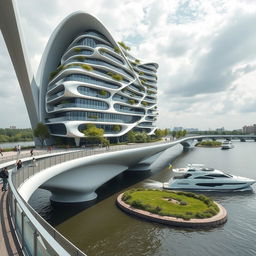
<point x="93" y="79"/>
<point x="85" y="76"/>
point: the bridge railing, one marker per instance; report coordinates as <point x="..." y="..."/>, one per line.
<point x="16" y="156"/>
<point x="37" y="236"/>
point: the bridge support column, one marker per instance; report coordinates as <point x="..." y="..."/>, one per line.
<point x="73" y="198"/>
<point x="77" y="141"/>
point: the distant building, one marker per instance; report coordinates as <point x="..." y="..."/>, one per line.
<point x="249" y="129"/>
<point x="176" y="129"/>
<point x="13" y="127"/>
<point x="222" y="129"/>
<point x="189" y="130"/>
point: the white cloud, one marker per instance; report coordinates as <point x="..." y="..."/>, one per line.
<point x="205" y="50"/>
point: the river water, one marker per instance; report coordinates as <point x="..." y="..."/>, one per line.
<point x="13" y="144"/>
<point x="102" y="229"/>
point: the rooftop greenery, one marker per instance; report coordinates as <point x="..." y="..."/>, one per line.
<point x="127" y="48"/>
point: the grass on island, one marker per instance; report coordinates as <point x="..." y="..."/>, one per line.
<point x="185" y="205"/>
<point x="209" y="143"/>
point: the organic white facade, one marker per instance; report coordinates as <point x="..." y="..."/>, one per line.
<point x="97" y="80"/>
<point x="86" y="77"/>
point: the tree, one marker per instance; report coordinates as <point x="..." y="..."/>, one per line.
<point x="41" y="132"/>
<point x="93" y="134"/>
<point x="116" y="128"/>
<point x="131" y="136"/>
<point x="159" y="133"/>
<point x="174" y="134"/>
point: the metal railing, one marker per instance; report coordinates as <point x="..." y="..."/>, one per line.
<point x="21" y="155"/>
<point x="36" y="236"/>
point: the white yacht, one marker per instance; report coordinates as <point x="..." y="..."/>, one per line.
<point x="197" y="177"/>
<point x="227" y="144"/>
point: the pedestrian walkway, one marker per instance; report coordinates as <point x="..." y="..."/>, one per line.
<point x="8" y="242"/>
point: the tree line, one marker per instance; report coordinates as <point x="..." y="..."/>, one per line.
<point x="14" y="135"/>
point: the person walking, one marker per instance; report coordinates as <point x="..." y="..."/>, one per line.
<point x="18" y="164"/>
<point x="33" y="163"/>
<point x="18" y="149"/>
<point x="32" y="152"/>
<point x="1" y="151"/>
<point x="4" y="175"/>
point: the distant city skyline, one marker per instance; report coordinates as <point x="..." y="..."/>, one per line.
<point x="205" y="50"/>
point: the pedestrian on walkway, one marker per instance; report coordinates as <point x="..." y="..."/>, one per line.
<point x="4" y="175"/>
<point x="18" y="149"/>
<point x="31" y="152"/>
<point x="1" y="151"/>
<point x="33" y="163"/>
<point x="19" y="164"/>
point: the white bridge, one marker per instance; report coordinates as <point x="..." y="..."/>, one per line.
<point x="76" y="180"/>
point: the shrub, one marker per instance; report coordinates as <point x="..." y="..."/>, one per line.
<point x="102" y="51"/>
<point x="102" y="92"/>
<point x="183" y="203"/>
<point x="54" y="73"/>
<point x="126" y="197"/>
<point x="80" y="58"/>
<point x="117" y="50"/>
<point x="124" y="46"/>
<point x="156" y="210"/>
<point x="137" y="204"/>
<point x="77" y="49"/>
<point x="117" y="77"/>
<point x="132" y="101"/>
<point x="137" y="61"/>
<point x="87" y="67"/>
<point x="144" y="103"/>
<point x="116" y="128"/>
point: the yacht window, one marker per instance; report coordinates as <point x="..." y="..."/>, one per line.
<point x="191" y="170"/>
<point x="207" y="169"/>
<point x="187" y="175"/>
<point x="203" y="177"/>
<point x="218" y="176"/>
<point x="217" y="184"/>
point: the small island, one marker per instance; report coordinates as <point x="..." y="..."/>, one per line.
<point x="209" y="144"/>
<point x="176" y="208"/>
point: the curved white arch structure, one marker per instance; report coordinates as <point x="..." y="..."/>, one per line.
<point x="94" y="80"/>
<point x="84" y="77"/>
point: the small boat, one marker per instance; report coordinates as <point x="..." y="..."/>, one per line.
<point x="227" y="144"/>
<point x="197" y="177"/>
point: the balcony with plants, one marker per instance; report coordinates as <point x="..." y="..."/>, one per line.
<point x="126" y="109"/>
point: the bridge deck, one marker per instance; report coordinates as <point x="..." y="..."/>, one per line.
<point x="8" y="242"/>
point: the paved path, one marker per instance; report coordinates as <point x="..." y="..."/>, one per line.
<point x="8" y="242"/>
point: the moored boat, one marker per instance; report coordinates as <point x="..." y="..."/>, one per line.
<point x="197" y="177"/>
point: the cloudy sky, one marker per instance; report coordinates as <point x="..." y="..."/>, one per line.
<point x="206" y="50"/>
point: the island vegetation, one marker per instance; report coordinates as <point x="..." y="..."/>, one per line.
<point x="208" y="143"/>
<point x="185" y="205"/>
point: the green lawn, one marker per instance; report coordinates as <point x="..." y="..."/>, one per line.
<point x="209" y="143"/>
<point x="184" y="205"/>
